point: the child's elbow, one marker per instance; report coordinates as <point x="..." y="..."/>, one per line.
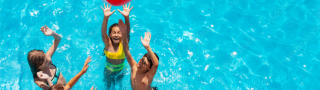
<point x="156" y="64"/>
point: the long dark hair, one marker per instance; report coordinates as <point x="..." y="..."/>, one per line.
<point x="35" y="59"/>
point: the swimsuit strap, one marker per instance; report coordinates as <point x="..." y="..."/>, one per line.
<point x="56" y="75"/>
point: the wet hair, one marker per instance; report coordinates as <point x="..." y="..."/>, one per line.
<point x="56" y="87"/>
<point x="35" y="59"/>
<point x="110" y="28"/>
<point x="148" y="56"/>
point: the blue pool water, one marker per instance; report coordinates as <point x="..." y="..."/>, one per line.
<point x="202" y="44"/>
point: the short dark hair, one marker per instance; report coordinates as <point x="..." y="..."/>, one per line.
<point x="110" y="28"/>
<point x="35" y="59"/>
<point x="148" y="56"/>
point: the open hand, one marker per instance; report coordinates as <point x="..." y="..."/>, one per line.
<point x="122" y="27"/>
<point x="126" y="10"/>
<point x="107" y="10"/>
<point x="42" y="75"/>
<point x="85" y="67"/>
<point x="146" y="40"/>
<point x="46" y="30"/>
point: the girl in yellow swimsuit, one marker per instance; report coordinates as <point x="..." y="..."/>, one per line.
<point x="113" y="49"/>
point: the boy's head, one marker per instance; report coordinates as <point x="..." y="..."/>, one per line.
<point x="57" y="87"/>
<point x="115" y="33"/>
<point x="37" y="61"/>
<point x="145" y="62"/>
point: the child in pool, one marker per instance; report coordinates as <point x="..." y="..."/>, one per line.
<point x="142" y="73"/>
<point x="71" y="83"/>
<point x="115" y="56"/>
<point x="41" y="62"/>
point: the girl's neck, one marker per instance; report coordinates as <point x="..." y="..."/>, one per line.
<point x="115" y="46"/>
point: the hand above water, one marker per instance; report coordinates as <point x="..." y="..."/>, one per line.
<point x="107" y="10"/>
<point x="146" y="40"/>
<point x="122" y="27"/>
<point x="85" y="66"/>
<point x="126" y="10"/>
<point x="46" y="30"/>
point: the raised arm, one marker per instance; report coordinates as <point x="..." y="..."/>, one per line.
<point x="123" y="30"/>
<point x="74" y="80"/>
<point x="40" y="80"/>
<point x="107" y="14"/>
<point x="125" y="13"/>
<point x="146" y="43"/>
<point x="48" y="32"/>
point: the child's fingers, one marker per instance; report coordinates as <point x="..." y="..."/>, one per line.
<point x="145" y="34"/>
<point x="101" y="8"/>
<point x="113" y="11"/>
<point x="91" y="88"/>
<point x="141" y="38"/>
<point x="107" y="5"/>
<point x="129" y="5"/>
<point x="89" y="57"/>
<point x="104" y="5"/>
<point x="131" y="8"/>
<point x="122" y="6"/>
<point x="120" y="22"/>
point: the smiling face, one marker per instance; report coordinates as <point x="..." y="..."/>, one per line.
<point x="115" y="34"/>
<point x="144" y="64"/>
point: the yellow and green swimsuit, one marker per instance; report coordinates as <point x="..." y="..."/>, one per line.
<point x="118" y="55"/>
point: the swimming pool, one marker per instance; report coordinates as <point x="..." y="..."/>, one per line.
<point x="202" y="44"/>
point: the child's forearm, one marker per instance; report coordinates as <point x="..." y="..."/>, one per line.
<point x="127" y="22"/>
<point x="153" y="56"/>
<point x="49" y="82"/>
<point x="56" y="36"/>
<point x="125" y="42"/>
<point x="74" y="80"/>
<point x="104" y="25"/>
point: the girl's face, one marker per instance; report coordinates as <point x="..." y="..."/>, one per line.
<point x="115" y="35"/>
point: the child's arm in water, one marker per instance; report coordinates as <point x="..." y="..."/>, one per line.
<point x="125" y="13"/>
<point x="146" y="43"/>
<point x="123" y="30"/>
<point x="43" y="76"/>
<point x="74" y="80"/>
<point x="107" y="14"/>
<point x="48" y="32"/>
